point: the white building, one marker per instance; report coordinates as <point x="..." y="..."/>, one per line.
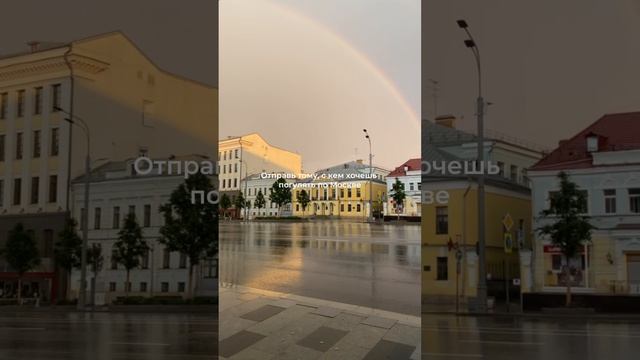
<point x="604" y="161"/>
<point x="408" y="174"/>
<point x="256" y="183"/>
<point x="117" y="190"/>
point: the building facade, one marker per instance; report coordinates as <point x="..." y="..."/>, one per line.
<point x="258" y="183"/>
<point x="450" y="213"/>
<point x="604" y="161"/>
<point x="130" y="106"/>
<point x="409" y="174"/>
<point x="117" y="190"/>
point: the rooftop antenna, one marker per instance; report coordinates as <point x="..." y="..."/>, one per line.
<point x="435" y="89"/>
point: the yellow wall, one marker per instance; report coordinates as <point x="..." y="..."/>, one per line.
<point x="341" y="201"/>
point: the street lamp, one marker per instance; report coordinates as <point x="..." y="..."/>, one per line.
<point x="482" y="265"/>
<point x="85" y="226"/>
<point x="370" y="176"/>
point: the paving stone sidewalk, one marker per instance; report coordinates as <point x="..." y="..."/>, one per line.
<point x="260" y="324"/>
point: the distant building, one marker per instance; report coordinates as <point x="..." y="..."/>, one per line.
<point x="251" y="154"/>
<point x="255" y="184"/>
<point x="117" y="190"/>
<point x="450" y="211"/>
<point x="604" y="161"/>
<point x="342" y="191"/>
<point x="408" y="174"/>
<point x="131" y="107"/>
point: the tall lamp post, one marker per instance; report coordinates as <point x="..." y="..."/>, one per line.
<point x="85" y="214"/>
<point x="370" y="177"/>
<point x="482" y="264"/>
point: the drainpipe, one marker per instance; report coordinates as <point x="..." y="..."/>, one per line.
<point x="71" y="96"/>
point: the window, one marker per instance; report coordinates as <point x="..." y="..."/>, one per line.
<point x="37" y="146"/>
<point x="17" y="191"/>
<point x="237" y="154"/>
<point x="127" y="286"/>
<point x="2" y="142"/>
<point x="4" y="99"/>
<point x="442" y="220"/>
<point x="235" y="183"/>
<point x="147" y="215"/>
<point x="20" y="106"/>
<point x="349" y="207"/>
<point x="55" y="97"/>
<point x="132" y="209"/>
<point x="83" y="218"/>
<point x="634" y="200"/>
<point x="513" y="172"/>
<point x="556" y="262"/>
<point x="166" y="259"/>
<point x="341" y="207"/>
<point x="1" y="192"/>
<point x="525" y="178"/>
<point x="610" y="201"/>
<point x="144" y="260"/>
<point x="224" y="156"/>
<point x="55" y="142"/>
<point x="37" y="101"/>
<point x="183" y="261"/>
<point x="164" y="287"/>
<point x="116" y="217"/>
<point x="19" y="144"/>
<point x="112" y="286"/>
<point x="53" y="188"/>
<point x="181" y="287"/>
<point x="235" y="167"/>
<point x="349" y="193"/>
<point x="97" y="215"/>
<point x="35" y="186"/>
<point x="358" y="193"/>
<point x="341" y="193"/>
<point x="410" y="186"/>
<point x="500" y="168"/>
<point x="443" y="268"/>
<point x="143" y="287"/>
<point x="358" y="207"/>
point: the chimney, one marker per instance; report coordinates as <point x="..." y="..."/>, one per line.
<point x="33" y="45"/>
<point x="446" y="120"/>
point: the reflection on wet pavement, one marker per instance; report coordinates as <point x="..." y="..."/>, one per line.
<point x="357" y="263"/>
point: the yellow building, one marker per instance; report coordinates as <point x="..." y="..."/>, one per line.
<point x="342" y="192"/>
<point x="450" y="213"/>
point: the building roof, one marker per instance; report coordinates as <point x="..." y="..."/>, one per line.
<point x="410" y="165"/>
<point x="440" y="135"/>
<point x="615" y="132"/>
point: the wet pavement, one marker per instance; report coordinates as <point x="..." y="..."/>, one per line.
<point x="529" y="338"/>
<point x="371" y="265"/>
<point x="102" y="336"/>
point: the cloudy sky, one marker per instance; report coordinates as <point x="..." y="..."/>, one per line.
<point x="310" y="75"/>
<point x="550" y="67"/>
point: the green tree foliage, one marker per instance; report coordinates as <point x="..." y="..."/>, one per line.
<point x="260" y="201"/>
<point x="280" y="194"/>
<point x="568" y="227"/>
<point x="398" y="195"/>
<point x="190" y="228"/>
<point x="21" y="253"/>
<point x="130" y="246"/>
<point x="225" y="204"/>
<point x="67" y="250"/>
<point x="303" y="198"/>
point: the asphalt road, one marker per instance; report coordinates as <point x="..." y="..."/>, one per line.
<point x="548" y="338"/>
<point x="350" y="262"/>
<point x="102" y="336"/>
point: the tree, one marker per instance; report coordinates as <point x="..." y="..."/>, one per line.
<point x="225" y="204"/>
<point x="130" y="247"/>
<point x="280" y="193"/>
<point x="190" y="228"/>
<point x="21" y="253"/>
<point x="569" y="228"/>
<point x="240" y="203"/>
<point x="95" y="259"/>
<point x="68" y="249"/>
<point x="303" y="198"/>
<point x="398" y="195"/>
<point x="260" y="202"/>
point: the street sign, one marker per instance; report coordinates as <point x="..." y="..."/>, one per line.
<point x="508" y="242"/>
<point x="507" y="221"/>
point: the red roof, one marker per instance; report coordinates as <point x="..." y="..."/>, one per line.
<point x="411" y="164"/>
<point x="616" y="132"/>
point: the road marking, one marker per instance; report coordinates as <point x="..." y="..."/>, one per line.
<point x="140" y="344"/>
<point x="477" y="356"/>
<point x="501" y="342"/>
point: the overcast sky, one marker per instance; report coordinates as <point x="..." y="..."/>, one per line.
<point x="550" y="67"/>
<point x="179" y="38"/>
<point x="310" y="75"/>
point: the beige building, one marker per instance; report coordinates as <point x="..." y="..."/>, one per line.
<point x="130" y="105"/>
<point x="250" y="154"/>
